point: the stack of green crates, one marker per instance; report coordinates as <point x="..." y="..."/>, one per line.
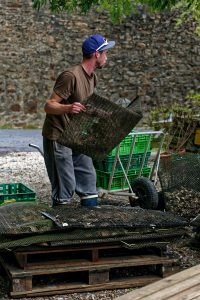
<point x="15" y="192"/>
<point x="104" y="167"/>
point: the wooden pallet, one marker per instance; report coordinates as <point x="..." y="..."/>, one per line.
<point x="59" y="270"/>
<point x="184" y="285"/>
<point x="34" y="257"/>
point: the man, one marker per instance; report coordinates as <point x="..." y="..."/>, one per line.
<point x="71" y="172"/>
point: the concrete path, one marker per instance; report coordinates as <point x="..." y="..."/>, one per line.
<point x="18" y="140"/>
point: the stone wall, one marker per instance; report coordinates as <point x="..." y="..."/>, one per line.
<point x="152" y="57"/>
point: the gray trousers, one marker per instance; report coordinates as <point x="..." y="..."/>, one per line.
<point x="68" y="172"/>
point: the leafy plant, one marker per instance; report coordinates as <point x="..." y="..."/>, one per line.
<point x="65" y="5"/>
<point x="178" y="121"/>
<point x="120" y="9"/>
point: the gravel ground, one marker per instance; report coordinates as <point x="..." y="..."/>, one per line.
<point x="29" y="169"/>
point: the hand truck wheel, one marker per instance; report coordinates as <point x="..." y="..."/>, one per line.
<point x="147" y="195"/>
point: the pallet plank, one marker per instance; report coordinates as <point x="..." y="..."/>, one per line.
<point x="82" y="266"/>
<point x="98" y="276"/>
<point x="75" y="288"/>
<point x="177" y="288"/>
<point x="95" y="255"/>
<point x="24" y="284"/>
<point x="180" y="281"/>
<point x="189" y="294"/>
<point x="32" y="257"/>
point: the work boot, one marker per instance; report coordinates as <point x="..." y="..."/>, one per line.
<point x="91" y="200"/>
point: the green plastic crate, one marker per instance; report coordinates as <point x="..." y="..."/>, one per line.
<point x="125" y="145"/>
<point x="107" y="164"/>
<point x="118" y="179"/>
<point x="15" y="192"/>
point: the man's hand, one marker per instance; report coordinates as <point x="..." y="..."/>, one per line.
<point x="76" y="108"/>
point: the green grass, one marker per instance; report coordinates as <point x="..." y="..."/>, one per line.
<point x="28" y="126"/>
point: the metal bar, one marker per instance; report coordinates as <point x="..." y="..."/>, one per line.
<point x="36" y="147"/>
<point x="113" y="168"/>
<point x="119" y="193"/>
<point x="125" y="175"/>
<point x="154" y="171"/>
<point x="129" y="162"/>
<point x="145" y="154"/>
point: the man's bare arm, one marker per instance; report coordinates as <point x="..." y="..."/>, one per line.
<point x="53" y="106"/>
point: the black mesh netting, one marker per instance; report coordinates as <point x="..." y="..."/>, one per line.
<point x="95" y="236"/>
<point x="112" y="217"/>
<point x="23" y="224"/>
<point x="180" y="171"/>
<point x="180" y="181"/>
<point x="19" y="218"/>
<point x="101" y="128"/>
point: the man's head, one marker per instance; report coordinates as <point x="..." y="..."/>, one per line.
<point x="95" y="47"/>
<point x="96" y="43"/>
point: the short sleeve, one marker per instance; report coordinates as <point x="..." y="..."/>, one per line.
<point x="64" y="86"/>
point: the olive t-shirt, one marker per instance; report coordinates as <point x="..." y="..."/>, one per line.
<point x="72" y="85"/>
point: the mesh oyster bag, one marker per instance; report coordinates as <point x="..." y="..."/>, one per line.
<point x="179" y="176"/>
<point x="20" y="218"/>
<point x="24" y="224"/>
<point x="109" y="216"/>
<point x="180" y="171"/>
<point x="24" y="218"/>
<point x="101" y="128"/>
